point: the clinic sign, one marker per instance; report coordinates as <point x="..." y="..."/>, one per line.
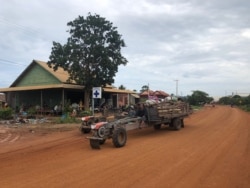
<point x="97" y="92"/>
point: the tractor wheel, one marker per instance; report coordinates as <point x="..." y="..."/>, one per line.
<point x="94" y="143"/>
<point x="100" y="134"/>
<point x="177" y="123"/>
<point x="83" y="129"/>
<point x="157" y="126"/>
<point x="119" y="137"/>
<point x="101" y="142"/>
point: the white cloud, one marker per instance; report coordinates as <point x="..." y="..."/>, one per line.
<point x="246" y="33"/>
<point x="203" y="45"/>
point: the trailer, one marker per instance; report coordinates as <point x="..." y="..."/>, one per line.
<point x="169" y="113"/>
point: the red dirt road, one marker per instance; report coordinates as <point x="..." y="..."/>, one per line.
<point x="213" y="150"/>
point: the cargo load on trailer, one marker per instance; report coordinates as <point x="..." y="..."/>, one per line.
<point x="169" y="113"/>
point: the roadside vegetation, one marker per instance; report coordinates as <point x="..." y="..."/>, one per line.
<point x="6" y="113"/>
<point x="200" y="98"/>
<point x="236" y="100"/>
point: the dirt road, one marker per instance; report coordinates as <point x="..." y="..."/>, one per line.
<point x="213" y="150"/>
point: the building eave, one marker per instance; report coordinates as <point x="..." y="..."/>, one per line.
<point x="41" y="87"/>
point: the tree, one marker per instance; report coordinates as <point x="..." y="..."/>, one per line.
<point x="144" y="88"/>
<point x="199" y="97"/>
<point x="225" y="100"/>
<point x="122" y="87"/>
<point x="236" y="100"/>
<point x="91" y="55"/>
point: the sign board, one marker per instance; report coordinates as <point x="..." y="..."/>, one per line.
<point x="97" y="92"/>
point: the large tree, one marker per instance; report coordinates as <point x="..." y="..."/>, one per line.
<point x="199" y="97"/>
<point x="144" y="88"/>
<point x="122" y="87"/>
<point x="91" y="55"/>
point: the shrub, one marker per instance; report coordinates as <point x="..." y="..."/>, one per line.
<point x="31" y="112"/>
<point x="66" y="118"/>
<point x="245" y="108"/>
<point x="85" y="113"/>
<point x="6" y="113"/>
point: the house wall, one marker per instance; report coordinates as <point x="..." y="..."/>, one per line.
<point x="37" y="76"/>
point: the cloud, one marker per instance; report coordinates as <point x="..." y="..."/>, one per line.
<point x="204" y="45"/>
<point x="246" y="33"/>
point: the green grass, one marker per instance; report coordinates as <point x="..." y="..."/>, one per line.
<point x="196" y="107"/>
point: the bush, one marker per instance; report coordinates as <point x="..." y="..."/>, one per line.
<point x="31" y="112"/>
<point x="65" y="118"/>
<point x="85" y="113"/>
<point x="6" y="113"/>
<point x="245" y="108"/>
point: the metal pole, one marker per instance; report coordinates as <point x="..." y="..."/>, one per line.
<point x="117" y="101"/>
<point x="148" y="91"/>
<point x="93" y="113"/>
<point x="176" y="87"/>
<point x="63" y="103"/>
<point x="41" y="108"/>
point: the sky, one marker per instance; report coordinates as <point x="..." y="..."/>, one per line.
<point x="177" y="46"/>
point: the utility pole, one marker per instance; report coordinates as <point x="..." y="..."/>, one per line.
<point x="148" y="90"/>
<point x="176" y="87"/>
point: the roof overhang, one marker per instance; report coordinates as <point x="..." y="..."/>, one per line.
<point x="135" y="95"/>
<point x="114" y="90"/>
<point x="41" y="87"/>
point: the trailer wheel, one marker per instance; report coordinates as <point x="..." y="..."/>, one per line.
<point x="171" y="124"/>
<point x="177" y="123"/>
<point x="157" y="126"/>
<point x="119" y="137"/>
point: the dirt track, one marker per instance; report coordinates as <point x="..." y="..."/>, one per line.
<point x="213" y="150"/>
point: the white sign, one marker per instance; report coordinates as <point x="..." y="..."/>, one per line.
<point x="97" y="92"/>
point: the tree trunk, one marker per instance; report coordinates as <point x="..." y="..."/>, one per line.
<point x="86" y="99"/>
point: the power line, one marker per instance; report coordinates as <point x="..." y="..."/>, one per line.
<point x="29" y="31"/>
<point x="11" y="62"/>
